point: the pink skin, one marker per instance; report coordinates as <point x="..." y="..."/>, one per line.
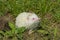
<point x="35" y="19"/>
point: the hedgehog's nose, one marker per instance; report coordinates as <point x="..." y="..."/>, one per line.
<point x="37" y="19"/>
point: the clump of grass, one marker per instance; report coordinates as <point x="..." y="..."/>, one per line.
<point x="13" y="34"/>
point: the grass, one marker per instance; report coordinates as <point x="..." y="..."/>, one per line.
<point x="47" y="10"/>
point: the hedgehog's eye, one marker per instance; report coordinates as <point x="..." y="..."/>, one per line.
<point x="33" y="18"/>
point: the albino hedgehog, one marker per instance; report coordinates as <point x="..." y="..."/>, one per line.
<point x="27" y="20"/>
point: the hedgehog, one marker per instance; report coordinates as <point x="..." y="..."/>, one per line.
<point x="29" y="20"/>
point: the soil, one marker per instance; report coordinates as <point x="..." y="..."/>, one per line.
<point x="4" y="21"/>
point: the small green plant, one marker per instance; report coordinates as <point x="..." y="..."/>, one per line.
<point x="13" y="34"/>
